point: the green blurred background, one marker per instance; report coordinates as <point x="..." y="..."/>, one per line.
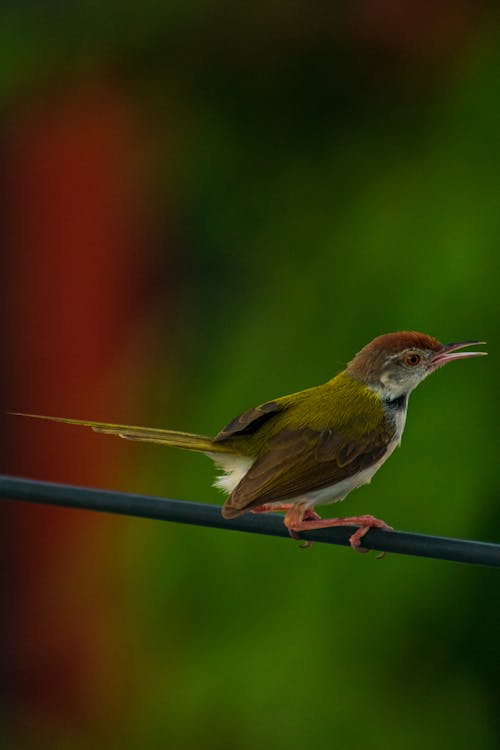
<point x="210" y="205"/>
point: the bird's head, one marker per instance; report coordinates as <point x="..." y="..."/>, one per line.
<point x="396" y="363"/>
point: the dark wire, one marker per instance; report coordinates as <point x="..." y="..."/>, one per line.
<point x="180" y="511"/>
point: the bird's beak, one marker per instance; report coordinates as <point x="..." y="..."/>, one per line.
<point x="449" y="352"/>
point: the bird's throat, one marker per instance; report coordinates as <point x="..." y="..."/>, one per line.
<point x="398" y="403"/>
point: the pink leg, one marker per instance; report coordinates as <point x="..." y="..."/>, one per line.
<point x="308" y="514"/>
<point x="295" y="520"/>
<point x="269" y="507"/>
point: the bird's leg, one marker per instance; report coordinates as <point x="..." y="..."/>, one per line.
<point x="269" y="507"/>
<point x="294" y="522"/>
<point x="305" y="514"/>
<point x="297" y="514"/>
<point x="309" y="514"/>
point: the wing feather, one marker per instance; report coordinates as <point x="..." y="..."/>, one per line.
<point x="299" y="461"/>
<point x="249" y="422"/>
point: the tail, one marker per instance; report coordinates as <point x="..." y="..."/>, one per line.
<point x="186" y="440"/>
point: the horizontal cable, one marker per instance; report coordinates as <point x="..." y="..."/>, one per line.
<point x="180" y="511"/>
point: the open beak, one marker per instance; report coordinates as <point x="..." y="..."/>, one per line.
<point x="449" y="352"/>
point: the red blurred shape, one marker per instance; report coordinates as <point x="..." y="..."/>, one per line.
<point x="75" y="230"/>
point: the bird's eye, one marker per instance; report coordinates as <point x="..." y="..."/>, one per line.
<point x="412" y="359"/>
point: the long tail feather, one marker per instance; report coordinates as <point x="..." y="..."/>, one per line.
<point x="186" y="440"/>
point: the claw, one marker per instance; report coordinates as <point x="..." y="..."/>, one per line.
<point x="300" y="519"/>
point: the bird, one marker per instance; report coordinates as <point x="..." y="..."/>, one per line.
<point x="315" y="446"/>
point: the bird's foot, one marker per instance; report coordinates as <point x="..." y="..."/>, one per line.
<point x="295" y="522"/>
<point x="307" y="514"/>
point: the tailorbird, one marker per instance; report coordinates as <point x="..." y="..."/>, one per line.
<point x="314" y="446"/>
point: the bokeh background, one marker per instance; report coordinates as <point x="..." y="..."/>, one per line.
<point x="208" y="205"/>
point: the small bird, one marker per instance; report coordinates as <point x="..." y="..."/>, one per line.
<point x="314" y="446"/>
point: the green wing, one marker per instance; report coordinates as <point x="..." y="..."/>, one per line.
<point x="297" y="462"/>
<point x="320" y="437"/>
